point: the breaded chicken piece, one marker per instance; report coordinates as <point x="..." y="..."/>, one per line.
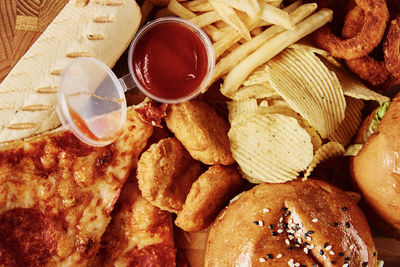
<point x="139" y="233"/>
<point x="207" y="197"/>
<point x="165" y="173"/>
<point x="201" y="131"/>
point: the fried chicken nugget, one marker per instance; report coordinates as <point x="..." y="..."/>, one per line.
<point x="208" y="196"/>
<point x="201" y="131"/>
<point x="165" y="174"/>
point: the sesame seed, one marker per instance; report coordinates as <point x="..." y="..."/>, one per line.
<point x="281" y="219"/>
<point x="284" y="209"/>
<point x="297" y="245"/>
<point x="335" y="224"/>
<point x="365" y="264"/>
<point x="329" y="247"/>
<point x="308" y="238"/>
<point x="310" y="232"/>
<point x="297" y="264"/>
<point x="346" y="264"/>
<point x="290" y="231"/>
<point x="374" y="254"/>
<point x="298" y="240"/>
<point x="321" y="252"/>
<point x="279" y="256"/>
<point x="255" y="222"/>
<point x="305" y="250"/>
<point x="341" y="254"/>
<point x="291" y="261"/>
<point x="287" y="241"/>
<point x="265" y="210"/>
<point x="280" y="231"/>
<point x="291" y="237"/>
<point x="347" y="224"/>
<point x="314" y="220"/>
<point x="287" y="213"/>
<point x="270" y="256"/>
<point x="261" y="223"/>
<point x="331" y="252"/>
<point x="324" y="256"/>
<point x="312" y="246"/>
<point x="326" y="244"/>
<point x="344" y="208"/>
<point x="271" y="226"/>
<point x="347" y="258"/>
<point x="262" y="260"/>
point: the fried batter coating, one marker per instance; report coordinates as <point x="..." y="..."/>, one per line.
<point x="208" y="196"/>
<point x="370" y="35"/>
<point x="201" y="131"/>
<point x="165" y="174"/>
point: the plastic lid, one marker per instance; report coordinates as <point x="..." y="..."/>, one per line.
<point x="91" y="102"/>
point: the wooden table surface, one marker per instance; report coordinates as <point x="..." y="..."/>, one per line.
<point x="21" y="23"/>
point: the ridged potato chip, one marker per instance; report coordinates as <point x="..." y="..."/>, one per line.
<point x="309" y="88"/>
<point x="326" y="151"/>
<point x="349" y="126"/>
<point x="284" y="109"/>
<point x="237" y="108"/>
<point x="270" y="147"/>
<point x="353" y="87"/>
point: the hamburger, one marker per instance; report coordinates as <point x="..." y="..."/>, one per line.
<point x="310" y="223"/>
<point x="375" y="166"/>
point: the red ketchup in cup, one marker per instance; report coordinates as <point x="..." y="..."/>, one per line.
<point x="171" y="60"/>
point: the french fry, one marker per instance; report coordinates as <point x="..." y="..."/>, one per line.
<point x="180" y="10"/>
<point x="206" y="18"/>
<point x="227" y="63"/>
<point x="276" y="16"/>
<point x="198" y="6"/>
<point x="256" y="31"/>
<point x="185" y="13"/>
<point x="272" y="47"/>
<point x="251" y="7"/>
<point x="229" y="15"/>
<point x="145" y="9"/>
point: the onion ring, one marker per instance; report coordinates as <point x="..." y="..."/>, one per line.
<point x="391" y="48"/>
<point x="370" y="35"/>
<point x="366" y="67"/>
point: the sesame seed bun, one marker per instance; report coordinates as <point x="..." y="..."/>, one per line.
<point x="376" y="170"/>
<point x="297" y="223"/>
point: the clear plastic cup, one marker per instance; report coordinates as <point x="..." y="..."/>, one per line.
<point x="91" y="98"/>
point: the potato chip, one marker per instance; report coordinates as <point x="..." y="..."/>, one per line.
<point x="237" y="108"/>
<point x="353" y="87"/>
<point x="281" y="107"/>
<point x="229" y="15"/>
<point x="326" y="151"/>
<point x="356" y="197"/>
<point x="352" y="120"/>
<point x="309" y="88"/>
<point x="324" y="54"/>
<point x="270" y="147"/>
<point x="257" y="91"/>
